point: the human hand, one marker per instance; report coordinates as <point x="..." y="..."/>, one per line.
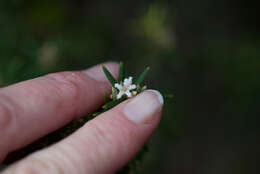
<point x="32" y="109"/>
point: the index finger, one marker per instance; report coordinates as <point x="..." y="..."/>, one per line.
<point x="34" y="108"/>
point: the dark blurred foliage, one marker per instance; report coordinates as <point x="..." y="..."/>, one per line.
<point x="218" y="86"/>
<point x="205" y="52"/>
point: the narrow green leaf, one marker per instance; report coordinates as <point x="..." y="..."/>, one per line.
<point x="109" y="76"/>
<point x="96" y="114"/>
<point x="168" y="97"/>
<point x="142" y="76"/>
<point x="121" y="72"/>
<point x="105" y="97"/>
<point x="111" y="104"/>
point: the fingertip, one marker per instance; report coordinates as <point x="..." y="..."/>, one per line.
<point x="145" y="107"/>
<point x="97" y="74"/>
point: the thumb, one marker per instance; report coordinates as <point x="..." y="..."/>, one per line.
<point x="104" y="144"/>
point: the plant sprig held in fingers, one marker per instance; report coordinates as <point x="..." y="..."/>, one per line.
<point x="124" y="87"/>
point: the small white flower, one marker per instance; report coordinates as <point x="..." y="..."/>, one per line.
<point x="125" y="88"/>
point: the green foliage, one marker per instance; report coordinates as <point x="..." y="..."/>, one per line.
<point x="113" y="103"/>
<point x="109" y="76"/>
<point x="142" y="76"/>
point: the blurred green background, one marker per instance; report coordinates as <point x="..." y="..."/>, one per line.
<point x="205" y="52"/>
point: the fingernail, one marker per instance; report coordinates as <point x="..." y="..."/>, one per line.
<point x="144" y="107"/>
<point x="97" y="74"/>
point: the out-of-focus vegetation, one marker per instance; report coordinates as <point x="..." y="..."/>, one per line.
<point x="205" y="52"/>
<point x="46" y="36"/>
<point x="39" y="37"/>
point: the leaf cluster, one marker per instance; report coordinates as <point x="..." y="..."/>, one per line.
<point x="121" y="77"/>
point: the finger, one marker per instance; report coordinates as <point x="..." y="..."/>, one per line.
<point x="104" y="144"/>
<point x="34" y="108"/>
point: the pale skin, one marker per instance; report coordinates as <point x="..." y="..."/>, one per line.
<point x="31" y="109"/>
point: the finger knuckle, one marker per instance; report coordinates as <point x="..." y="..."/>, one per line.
<point x="36" y="166"/>
<point x="66" y="156"/>
<point x="115" y="141"/>
<point x="30" y="167"/>
<point x="101" y="136"/>
<point x="7" y="114"/>
<point x="67" y="82"/>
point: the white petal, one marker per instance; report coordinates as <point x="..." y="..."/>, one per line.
<point x="118" y="86"/>
<point x="119" y="95"/>
<point x="128" y="81"/>
<point x="128" y="93"/>
<point x="131" y="87"/>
